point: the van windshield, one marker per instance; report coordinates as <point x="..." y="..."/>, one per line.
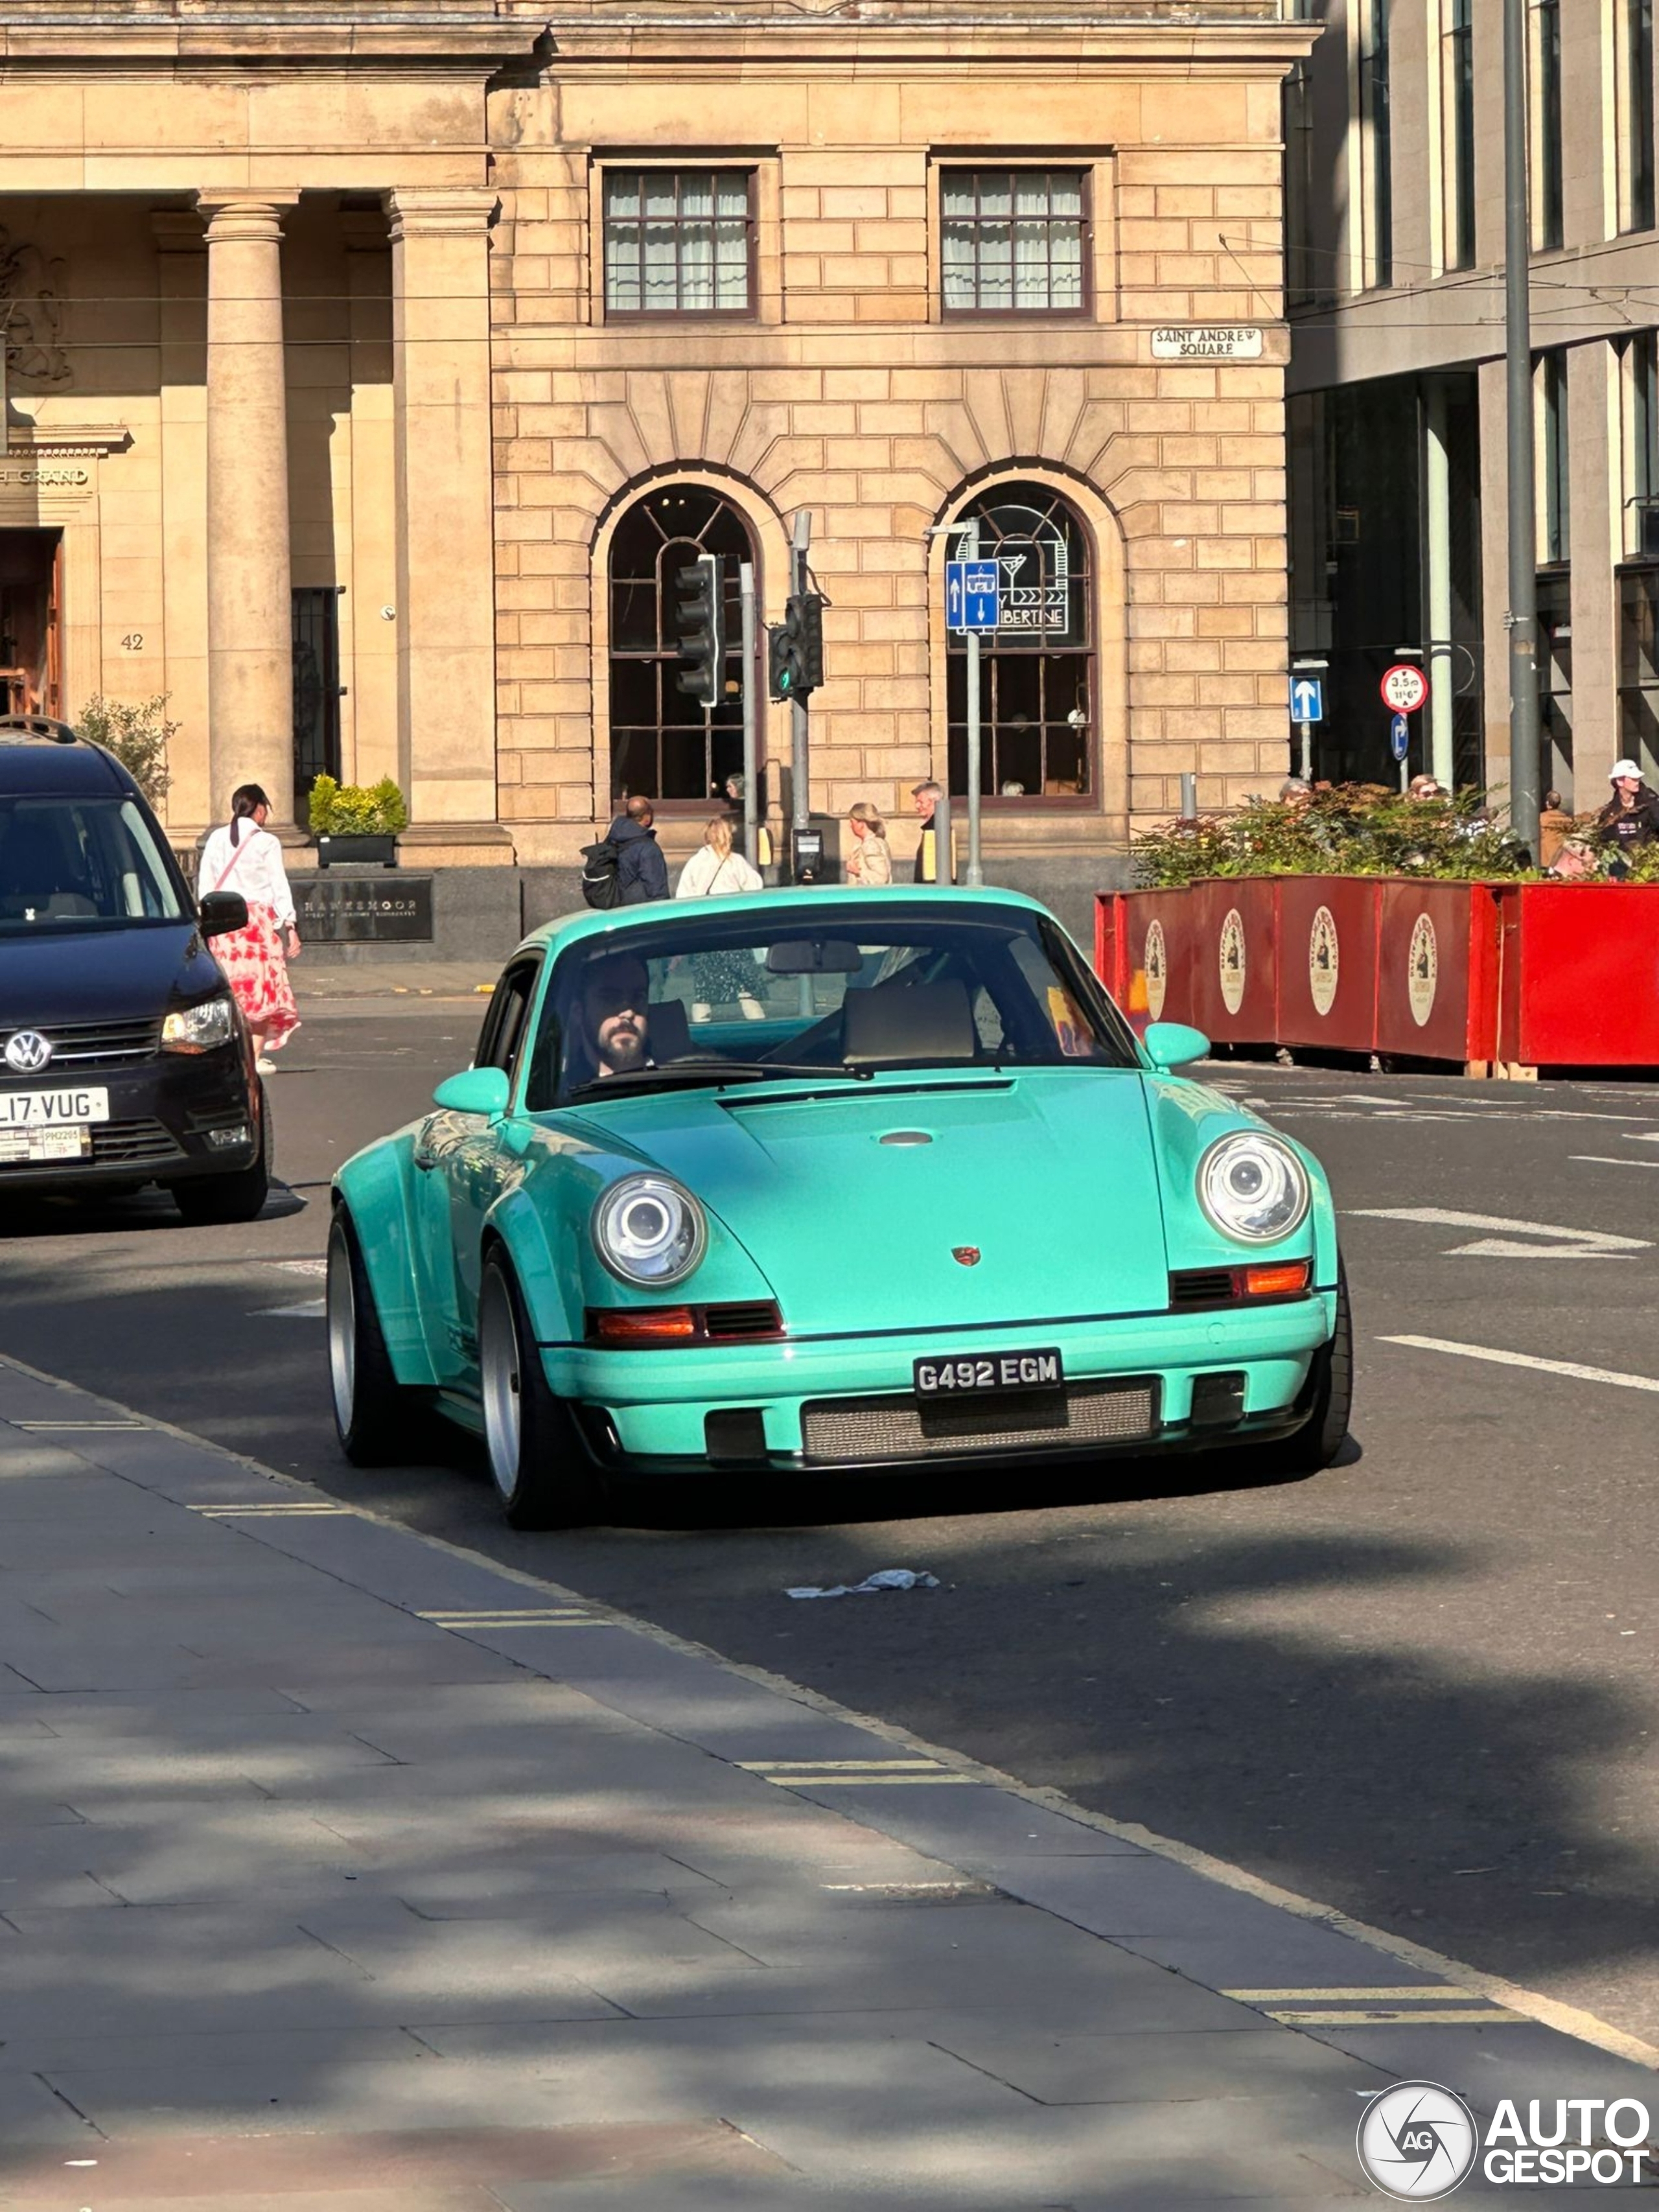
<point x="68" y="864"/>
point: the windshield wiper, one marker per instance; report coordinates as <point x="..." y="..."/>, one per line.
<point x="711" y="1070"/>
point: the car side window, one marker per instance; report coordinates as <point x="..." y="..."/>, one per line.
<point x="503" y="1028"/>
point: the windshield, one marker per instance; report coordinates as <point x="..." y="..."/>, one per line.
<point x="708" y="998"/>
<point x="73" y="863"/>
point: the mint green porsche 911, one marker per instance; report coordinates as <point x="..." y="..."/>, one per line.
<point x="829" y="1181"/>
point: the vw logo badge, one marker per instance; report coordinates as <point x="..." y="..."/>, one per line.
<point x="28" y="1052"/>
<point x="965" y="1255"/>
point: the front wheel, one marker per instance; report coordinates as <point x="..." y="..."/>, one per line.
<point x="542" y="1475"/>
<point x="1330" y="1391"/>
<point x="238" y="1196"/>
<point x="373" y="1413"/>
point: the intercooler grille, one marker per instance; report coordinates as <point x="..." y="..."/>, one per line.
<point x="846" y="1429"/>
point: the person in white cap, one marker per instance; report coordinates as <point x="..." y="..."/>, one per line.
<point x="1631" y="817"/>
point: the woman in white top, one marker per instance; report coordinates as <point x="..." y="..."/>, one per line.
<point x="245" y="857"/>
<point x="869" y="858"/>
<point x="715" y="870"/>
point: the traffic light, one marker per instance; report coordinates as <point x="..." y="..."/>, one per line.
<point x="700" y="628"/>
<point x="795" y="647"/>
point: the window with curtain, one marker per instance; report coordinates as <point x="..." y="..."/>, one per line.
<point x="1547" y="167"/>
<point x="1633" y="74"/>
<point x="662" y="745"/>
<point x="1037" y="681"/>
<point x="1014" y="241"/>
<point x="1457" y="114"/>
<point x="679" y="242"/>
<point x="1377" y="139"/>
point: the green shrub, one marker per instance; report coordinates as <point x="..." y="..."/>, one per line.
<point x="1354" y="830"/>
<point x="137" y="733"/>
<point x="354" y="809"/>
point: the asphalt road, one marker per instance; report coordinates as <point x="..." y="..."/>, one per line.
<point x="1422" y="1687"/>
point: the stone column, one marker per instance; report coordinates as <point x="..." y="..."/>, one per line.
<point x="445" y="612"/>
<point x="249" y="614"/>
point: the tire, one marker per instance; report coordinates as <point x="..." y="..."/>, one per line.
<point x="373" y="1413"/>
<point x="239" y="1196"/>
<point x="543" y="1477"/>
<point x="1330" y="1389"/>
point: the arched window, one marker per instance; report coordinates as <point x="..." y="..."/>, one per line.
<point x="1037" y="671"/>
<point x="661" y="744"/>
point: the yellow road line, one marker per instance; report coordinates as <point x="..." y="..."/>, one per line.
<point x="271" y="1512"/>
<point x="836" y="1765"/>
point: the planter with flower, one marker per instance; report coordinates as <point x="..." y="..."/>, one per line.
<point x="357" y="825"/>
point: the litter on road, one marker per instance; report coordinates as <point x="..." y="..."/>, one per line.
<point x="885" y="1578"/>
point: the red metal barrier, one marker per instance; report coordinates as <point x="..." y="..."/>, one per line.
<point x="1437" y="993"/>
<point x="1234" y="945"/>
<point x="1327" y="967"/>
<point x="1578" y="987"/>
<point x="1146" y="953"/>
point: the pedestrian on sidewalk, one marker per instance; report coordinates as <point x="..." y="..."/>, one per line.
<point x="642" y="870"/>
<point x="715" y="870"/>
<point x="869" y="861"/>
<point x="927" y="797"/>
<point x="1554" y="828"/>
<point x="245" y="857"/>
<point x="1631" y="817"/>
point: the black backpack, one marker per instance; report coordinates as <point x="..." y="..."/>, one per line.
<point x="600" y="885"/>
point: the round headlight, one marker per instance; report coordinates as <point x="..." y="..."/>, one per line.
<point x="1253" y="1187"/>
<point x="648" y="1230"/>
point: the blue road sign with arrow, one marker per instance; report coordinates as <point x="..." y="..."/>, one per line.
<point x="1307" y="699"/>
<point x="1400" y="736"/>
<point x="973" y="595"/>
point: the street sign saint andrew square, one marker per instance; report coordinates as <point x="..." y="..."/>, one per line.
<point x="973" y="595"/>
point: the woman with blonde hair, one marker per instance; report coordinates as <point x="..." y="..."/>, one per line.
<point x="869" y="862"/>
<point x="716" y="871"/>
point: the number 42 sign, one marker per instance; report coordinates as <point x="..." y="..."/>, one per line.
<point x="1405" y="688"/>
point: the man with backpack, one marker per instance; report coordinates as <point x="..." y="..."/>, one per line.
<point x="627" y="868"/>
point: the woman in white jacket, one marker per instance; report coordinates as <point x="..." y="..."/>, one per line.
<point x="716" y="871"/>
<point x="245" y="857"/>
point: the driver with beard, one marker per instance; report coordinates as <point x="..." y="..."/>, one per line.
<point x="615" y="1025"/>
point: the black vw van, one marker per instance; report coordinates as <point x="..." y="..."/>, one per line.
<point x="124" y="1060"/>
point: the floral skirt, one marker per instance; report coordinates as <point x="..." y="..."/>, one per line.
<point x="257" y="972"/>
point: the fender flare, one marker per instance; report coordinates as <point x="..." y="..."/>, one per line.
<point x="376" y="1187"/>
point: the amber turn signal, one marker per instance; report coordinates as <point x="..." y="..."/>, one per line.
<point x="644" y="1324"/>
<point x="1283" y="1280"/>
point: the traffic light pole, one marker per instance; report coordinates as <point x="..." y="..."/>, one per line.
<point x="750" y="716"/>
<point x="799" y="768"/>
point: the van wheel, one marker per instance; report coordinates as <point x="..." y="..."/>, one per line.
<point x="239" y="1196"/>
<point x="373" y="1413"/>
<point x="542" y="1473"/>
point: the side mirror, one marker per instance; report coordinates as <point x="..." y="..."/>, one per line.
<point x="222" y="912"/>
<point x="479" y="1090"/>
<point x="1172" y="1044"/>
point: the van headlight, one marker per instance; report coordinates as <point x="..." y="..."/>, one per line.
<point x="200" y="1028"/>
<point x="649" y="1231"/>
<point x="1253" y="1187"/>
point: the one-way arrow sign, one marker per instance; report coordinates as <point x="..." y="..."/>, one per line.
<point x="1307" y="699"/>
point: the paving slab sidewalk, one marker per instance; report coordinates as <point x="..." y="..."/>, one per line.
<point x="341" y="1871"/>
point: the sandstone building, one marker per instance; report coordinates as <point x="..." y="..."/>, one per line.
<point x="372" y="364"/>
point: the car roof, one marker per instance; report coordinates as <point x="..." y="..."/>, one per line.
<point x="34" y="765"/>
<point x="835" y="901"/>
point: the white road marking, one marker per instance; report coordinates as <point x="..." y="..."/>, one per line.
<point x="1570" y="1368"/>
<point x="1558" y="1243"/>
<point x="313" y="1310"/>
<point x="300" y="1267"/>
<point x="1606" y="1160"/>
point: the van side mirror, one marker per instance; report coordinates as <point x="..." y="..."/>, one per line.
<point x="478" y="1090"/>
<point x="221" y="913"/>
<point x="1172" y="1044"/>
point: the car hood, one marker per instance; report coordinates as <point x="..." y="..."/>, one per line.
<point x="102" y="975"/>
<point x="1048" y="1177"/>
